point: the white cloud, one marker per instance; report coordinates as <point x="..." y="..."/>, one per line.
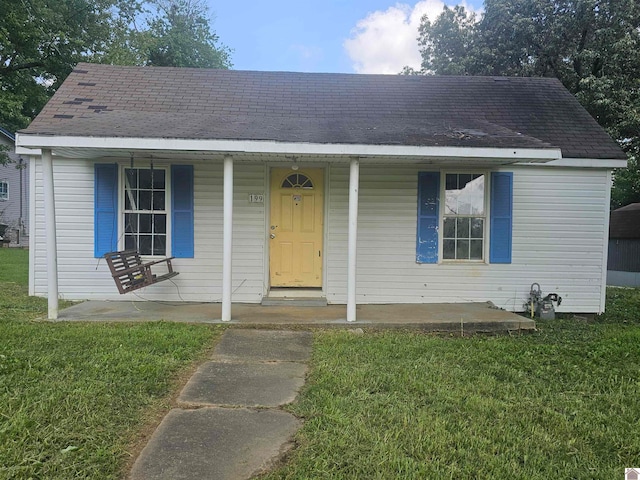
<point x="386" y="41"/>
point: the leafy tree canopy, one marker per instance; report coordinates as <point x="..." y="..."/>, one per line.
<point x="592" y="46"/>
<point x="41" y="41"/>
<point x="181" y="37"/>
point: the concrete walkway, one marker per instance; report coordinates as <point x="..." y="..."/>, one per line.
<point x="228" y="424"/>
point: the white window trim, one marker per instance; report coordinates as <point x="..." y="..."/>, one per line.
<point x="5" y="198"/>
<point x="487" y="218"/>
<point x="168" y="198"/>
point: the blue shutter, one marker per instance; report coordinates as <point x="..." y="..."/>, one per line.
<point x="501" y="217"/>
<point x="182" y="211"/>
<point x="105" y="228"/>
<point x="428" y="210"/>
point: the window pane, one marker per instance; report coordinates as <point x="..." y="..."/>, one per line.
<point x="477" y="228"/>
<point x="158" y="200"/>
<point x="451" y="181"/>
<point x="449" y="230"/>
<point x="145" y="222"/>
<point x="462" y="249"/>
<point x="463" y="227"/>
<point x="476" y="250"/>
<point x="131" y="200"/>
<point x="145" y="200"/>
<point x="144" y="244"/>
<point x="131" y="177"/>
<point x="130" y="222"/>
<point x="144" y="177"/>
<point x="130" y="242"/>
<point x="297" y="180"/>
<point x="158" y="180"/>
<point x="159" y="224"/>
<point x="449" y="249"/>
<point x="159" y="245"/>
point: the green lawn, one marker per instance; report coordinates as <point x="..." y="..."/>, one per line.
<point x="557" y="404"/>
<point x="563" y="403"/>
<point x="74" y="396"/>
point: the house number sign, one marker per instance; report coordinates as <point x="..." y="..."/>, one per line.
<point x="256" y="198"/>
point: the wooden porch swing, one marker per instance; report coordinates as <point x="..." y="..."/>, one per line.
<point x="130" y="273"/>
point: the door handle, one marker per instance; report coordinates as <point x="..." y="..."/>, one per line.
<point x="272" y="236"/>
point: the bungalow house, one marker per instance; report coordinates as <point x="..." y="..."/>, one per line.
<point x="14" y="193"/>
<point x="624" y="247"/>
<point x="357" y="188"/>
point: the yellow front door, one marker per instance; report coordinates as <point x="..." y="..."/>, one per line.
<point x="296" y="227"/>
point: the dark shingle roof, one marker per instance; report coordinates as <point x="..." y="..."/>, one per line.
<point x="625" y="222"/>
<point x="114" y="101"/>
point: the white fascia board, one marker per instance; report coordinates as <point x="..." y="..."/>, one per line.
<point x="285" y="148"/>
<point x="587" y="163"/>
<point x="20" y="150"/>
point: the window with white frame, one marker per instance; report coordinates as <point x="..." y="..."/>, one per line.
<point x="464" y="218"/>
<point x="145" y="210"/>
<point x="4" y="190"/>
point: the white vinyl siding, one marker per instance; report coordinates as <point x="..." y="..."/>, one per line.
<point x="81" y="276"/>
<point x="559" y="223"/>
<point x="558" y="234"/>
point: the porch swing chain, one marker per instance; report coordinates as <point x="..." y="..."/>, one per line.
<point x="133" y="206"/>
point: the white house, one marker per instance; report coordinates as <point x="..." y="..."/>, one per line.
<point x="358" y="188"/>
<point x="14" y="192"/>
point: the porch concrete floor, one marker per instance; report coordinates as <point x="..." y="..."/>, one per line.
<point x="454" y="317"/>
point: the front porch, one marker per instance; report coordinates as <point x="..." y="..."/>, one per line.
<point x="436" y="317"/>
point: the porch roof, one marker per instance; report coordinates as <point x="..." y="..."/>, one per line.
<point x="208" y="108"/>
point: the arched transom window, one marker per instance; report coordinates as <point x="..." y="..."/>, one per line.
<point x="297" y="180"/>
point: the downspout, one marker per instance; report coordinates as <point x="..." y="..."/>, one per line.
<point x="20" y="221"/>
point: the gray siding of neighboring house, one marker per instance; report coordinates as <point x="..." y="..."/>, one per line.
<point x="623" y="268"/>
<point x="14" y="211"/>
<point x="624" y="254"/>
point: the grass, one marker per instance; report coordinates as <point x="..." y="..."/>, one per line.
<point x="561" y="403"/>
<point x="74" y="397"/>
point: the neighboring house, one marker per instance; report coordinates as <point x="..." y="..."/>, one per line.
<point x="14" y="193"/>
<point x="361" y="188"/>
<point x="624" y="247"/>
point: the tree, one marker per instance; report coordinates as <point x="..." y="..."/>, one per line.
<point x="626" y="187"/>
<point x="41" y="41"/>
<point x="181" y="37"/>
<point x="592" y="46"/>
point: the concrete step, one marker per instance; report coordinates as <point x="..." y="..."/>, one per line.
<point x="294" y="301"/>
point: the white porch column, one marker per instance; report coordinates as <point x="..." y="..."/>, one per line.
<point x="354" y="180"/>
<point x="50" y="223"/>
<point x="227" y="241"/>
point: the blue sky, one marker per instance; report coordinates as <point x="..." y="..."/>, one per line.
<point x="365" y="36"/>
